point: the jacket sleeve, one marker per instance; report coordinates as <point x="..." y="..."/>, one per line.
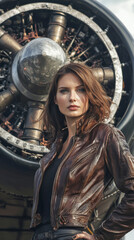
<point x="120" y="163"/>
<point x="35" y="217"/>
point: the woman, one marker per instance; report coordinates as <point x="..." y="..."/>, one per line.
<point x="85" y="154"/>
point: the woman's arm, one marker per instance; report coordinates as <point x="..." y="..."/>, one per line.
<point x="121" y="165"/>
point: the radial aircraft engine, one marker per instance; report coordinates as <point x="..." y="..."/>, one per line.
<point x="36" y="38"/>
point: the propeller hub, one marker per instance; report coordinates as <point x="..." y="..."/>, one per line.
<point x="35" y="65"/>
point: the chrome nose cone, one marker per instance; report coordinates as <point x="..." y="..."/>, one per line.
<point x="34" y="67"/>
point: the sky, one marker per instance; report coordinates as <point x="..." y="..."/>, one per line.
<point x="124" y="10"/>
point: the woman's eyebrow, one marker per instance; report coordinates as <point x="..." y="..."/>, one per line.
<point x="81" y="85"/>
<point x="63" y="87"/>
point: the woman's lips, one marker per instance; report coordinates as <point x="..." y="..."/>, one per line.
<point x="73" y="107"/>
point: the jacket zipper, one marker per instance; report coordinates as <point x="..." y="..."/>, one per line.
<point x="53" y="222"/>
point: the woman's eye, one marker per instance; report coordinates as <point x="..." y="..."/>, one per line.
<point x="81" y="89"/>
<point x="63" y="90"/>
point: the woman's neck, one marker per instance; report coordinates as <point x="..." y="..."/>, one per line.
<point x="71" y="125"/>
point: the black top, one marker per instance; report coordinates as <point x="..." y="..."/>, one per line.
<point x="47" y="187"/>
<point x="46" y="190"/>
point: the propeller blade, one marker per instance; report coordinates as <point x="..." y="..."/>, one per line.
<point x="33" y="126"/>
<point x="6" y="41"/>
<point x="7" y="96"/>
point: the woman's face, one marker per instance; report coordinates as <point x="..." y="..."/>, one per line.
<point x="71" y="96"/>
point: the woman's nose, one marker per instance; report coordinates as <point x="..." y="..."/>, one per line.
<point x="73" y="96"/>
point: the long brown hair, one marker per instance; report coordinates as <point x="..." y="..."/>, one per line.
<point x="99" y="102"/>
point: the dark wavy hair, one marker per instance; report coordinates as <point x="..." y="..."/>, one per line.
<point x="99" y="102"/>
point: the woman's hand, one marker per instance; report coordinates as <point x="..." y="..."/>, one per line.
<point x="84" y="235"/>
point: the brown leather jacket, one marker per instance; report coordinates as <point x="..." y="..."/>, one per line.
<point x="89" y="165"/>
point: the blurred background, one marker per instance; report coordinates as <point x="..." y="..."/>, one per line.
<point x="124" y="10"/>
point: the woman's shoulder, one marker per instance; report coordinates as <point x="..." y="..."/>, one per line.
<point x="113" y="135"/>
<point x="106" y="130"/>
<point x="102" y="128"/>
<point x="106" y="127"/>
